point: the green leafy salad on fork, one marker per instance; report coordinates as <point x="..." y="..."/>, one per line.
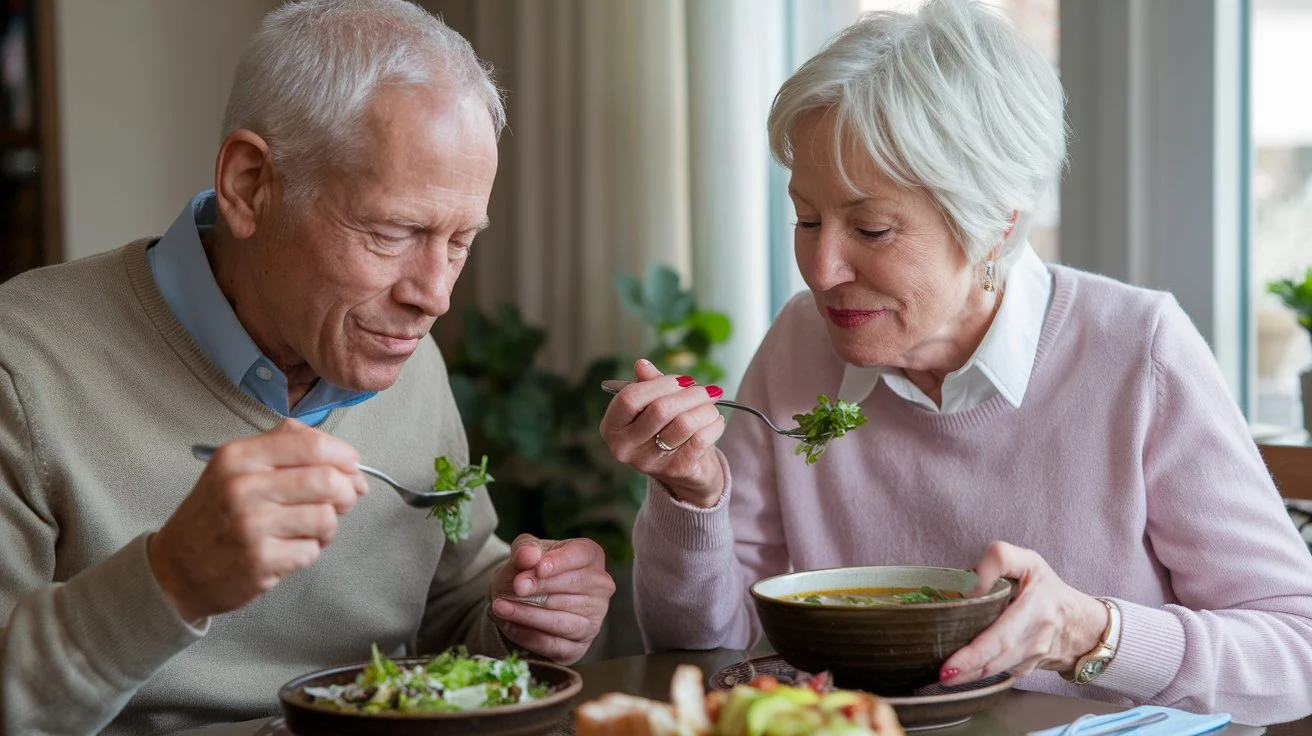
<point x="455" y="516"/>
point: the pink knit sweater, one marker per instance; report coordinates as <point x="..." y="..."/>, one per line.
<point x="1127" y="466"/>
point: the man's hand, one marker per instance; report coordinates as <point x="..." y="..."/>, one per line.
<point x="264" y="507"/>
<point x="569" y="590"/>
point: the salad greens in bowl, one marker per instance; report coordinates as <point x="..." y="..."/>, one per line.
<point x="453" y="693"/>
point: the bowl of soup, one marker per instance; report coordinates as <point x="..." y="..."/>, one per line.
<point x="885" y="629"/>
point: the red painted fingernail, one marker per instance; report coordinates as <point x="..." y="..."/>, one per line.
<point x="715" y="391"/>
<point x="686" y="381"/>
<point x="948" y="673"/>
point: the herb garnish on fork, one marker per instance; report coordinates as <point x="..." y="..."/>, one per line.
<point x="827" y="421"/>
<point x="455" y="516"/>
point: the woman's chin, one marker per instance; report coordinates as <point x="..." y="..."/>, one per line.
<point x="860" y="352"/>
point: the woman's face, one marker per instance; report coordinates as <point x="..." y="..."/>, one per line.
<point x="891" y="282"/>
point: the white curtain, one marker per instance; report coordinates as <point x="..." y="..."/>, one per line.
<point x="637" y="137"/>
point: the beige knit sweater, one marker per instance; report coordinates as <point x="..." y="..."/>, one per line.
<point x="101" y="395"/>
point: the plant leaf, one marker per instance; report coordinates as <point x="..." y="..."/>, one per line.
<point x="630" y="292"/>
<point x="665" y="302"/>
<point x="715" y="325"/>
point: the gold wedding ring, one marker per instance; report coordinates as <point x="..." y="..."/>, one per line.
<point x="664" y="447"/>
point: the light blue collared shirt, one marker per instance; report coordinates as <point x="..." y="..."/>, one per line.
<point x="187" y="284"/>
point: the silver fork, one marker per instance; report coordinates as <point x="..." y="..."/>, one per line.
<point x="1112" y="726"/>
<point x="614" y="385"/>
<point x="418" y="499"/>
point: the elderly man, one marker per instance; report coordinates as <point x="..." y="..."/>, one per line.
<point x="285" y="317"/>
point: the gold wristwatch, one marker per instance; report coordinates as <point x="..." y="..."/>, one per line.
<point x="1092" y="664"/>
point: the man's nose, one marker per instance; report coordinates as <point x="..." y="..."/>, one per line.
<point x="427" y="286"/>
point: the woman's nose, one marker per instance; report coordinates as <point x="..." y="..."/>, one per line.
<point x="829" y="265"/>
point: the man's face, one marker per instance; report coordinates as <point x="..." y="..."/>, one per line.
<point x="348" y="284"/>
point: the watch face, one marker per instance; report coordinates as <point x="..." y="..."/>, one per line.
<point x="1092" y="669"/>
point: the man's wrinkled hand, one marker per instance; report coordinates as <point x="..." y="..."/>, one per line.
<point x="551" y="596"/>
<point x="264" y="507"/>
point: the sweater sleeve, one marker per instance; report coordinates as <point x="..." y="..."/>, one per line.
<point x="693" y="566"/>
<point x="71" y="653"/>
<point x="1240" y="638"/>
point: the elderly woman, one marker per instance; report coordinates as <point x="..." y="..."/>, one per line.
<point x="1029" y="421"/>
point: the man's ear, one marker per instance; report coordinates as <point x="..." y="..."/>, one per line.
<point x="243" y="180"/>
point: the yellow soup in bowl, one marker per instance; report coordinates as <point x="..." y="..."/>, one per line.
<point x="875" y="596"/>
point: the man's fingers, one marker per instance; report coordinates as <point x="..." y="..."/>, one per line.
<point x="585" y="605"/>
<point x="587" y="582"/>
<point x="525" y="551"/>
<point x="282" y="557"/>
<point x="553" y="648"/>
<point x="569" y="555"/>
<point x="551" y="621"/>
<point x="290" y="486"/>
<point x="315" y="521"/>
<point x="287" y="446"/>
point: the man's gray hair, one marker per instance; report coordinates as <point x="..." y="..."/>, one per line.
<point x="308" y="73"/>
<point x="949" y="99"/>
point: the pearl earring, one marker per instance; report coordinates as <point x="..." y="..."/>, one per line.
<point x="988" y="276"/>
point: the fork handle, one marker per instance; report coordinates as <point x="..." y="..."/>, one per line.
<point x="614" y="385"/>
<point x="206" y="453"/>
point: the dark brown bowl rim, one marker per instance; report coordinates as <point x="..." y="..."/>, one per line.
<point x="993" y="595"/>
<point x="572" y="687"/>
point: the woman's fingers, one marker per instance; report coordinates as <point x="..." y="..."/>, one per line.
<point x="679" y="430"/>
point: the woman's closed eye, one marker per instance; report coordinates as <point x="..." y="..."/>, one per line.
<point x="874" y="234"/>
<point x="806" y="224"/>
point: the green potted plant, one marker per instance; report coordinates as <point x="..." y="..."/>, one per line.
<point x="555" y="477"/>
<point x="1297" y="295"/>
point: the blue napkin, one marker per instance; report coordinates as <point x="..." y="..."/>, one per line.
<point x="1176" y="723"/>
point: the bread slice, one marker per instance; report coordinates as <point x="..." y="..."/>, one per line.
<point x="618" y="714"/>
<point x="689" y="699"/>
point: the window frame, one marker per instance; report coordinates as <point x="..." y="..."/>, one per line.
<point x="1159" y="135"/>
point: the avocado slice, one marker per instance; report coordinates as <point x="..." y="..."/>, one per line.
<point x="764" y="710"/>
<point x="733" y="716"/>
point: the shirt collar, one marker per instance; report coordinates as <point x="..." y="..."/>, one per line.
<point x="1005" y="357"/>
<point x="186" y="282"/>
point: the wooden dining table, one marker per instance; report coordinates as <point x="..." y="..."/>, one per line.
<point x="649" y="675"/>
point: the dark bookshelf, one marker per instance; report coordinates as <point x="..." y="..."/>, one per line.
<point x="29" y="154"/>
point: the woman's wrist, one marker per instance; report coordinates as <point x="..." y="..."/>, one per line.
<point x="705" y="494"/>
<point x="1087" y="631"/>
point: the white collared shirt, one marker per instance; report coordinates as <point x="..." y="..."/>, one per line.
<point x="1000" y="365"/>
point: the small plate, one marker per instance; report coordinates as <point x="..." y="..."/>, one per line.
<point x="932" y="706"/>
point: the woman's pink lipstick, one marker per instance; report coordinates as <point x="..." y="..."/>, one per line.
<point x="849" y="318"/>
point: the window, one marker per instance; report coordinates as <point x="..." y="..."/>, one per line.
<point x="1280" y="240"/>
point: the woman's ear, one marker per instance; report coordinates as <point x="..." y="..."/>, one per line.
<point x="1015" y="215"/>
<point x="243" y="177"/>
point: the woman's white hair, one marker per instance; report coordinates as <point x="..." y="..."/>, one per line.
<point x="949" y="99"/>
<point x="308" y="73"/>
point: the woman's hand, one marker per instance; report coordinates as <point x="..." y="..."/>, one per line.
<point x="1049" y="624"/>
<point x="657" y="412"/>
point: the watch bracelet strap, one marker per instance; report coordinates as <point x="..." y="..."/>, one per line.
<point x="1109" y="640"/>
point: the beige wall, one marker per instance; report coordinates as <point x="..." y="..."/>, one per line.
<point x="142" y="85"/>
